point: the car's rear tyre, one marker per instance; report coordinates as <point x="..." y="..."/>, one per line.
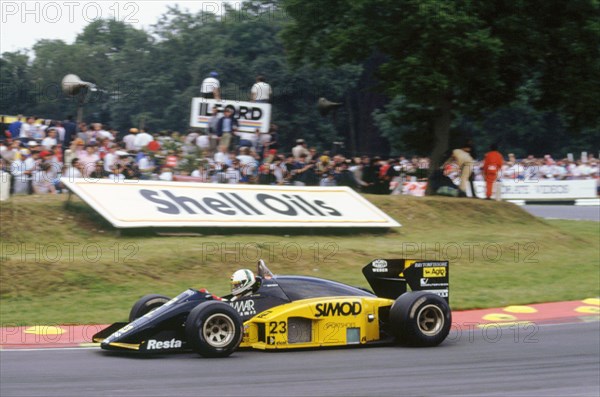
<point x="146" y="304"/>
<point x="214" y="329"/>
<point x="420" y="319"/>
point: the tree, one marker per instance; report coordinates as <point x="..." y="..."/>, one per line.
<point x="15" y="83"/>
<point x="449" y="56"/>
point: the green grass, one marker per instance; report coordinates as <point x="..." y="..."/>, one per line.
<point x="67" y="265"/>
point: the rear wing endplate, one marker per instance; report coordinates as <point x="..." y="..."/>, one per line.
<point x="389" y="278"/>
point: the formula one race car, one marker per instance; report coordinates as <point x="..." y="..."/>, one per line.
<point x="290" y="312"/>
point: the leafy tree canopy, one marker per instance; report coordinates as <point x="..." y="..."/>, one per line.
<point x="450" y="57"/>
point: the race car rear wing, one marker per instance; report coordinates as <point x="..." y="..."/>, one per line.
<point x="389" y="278"/>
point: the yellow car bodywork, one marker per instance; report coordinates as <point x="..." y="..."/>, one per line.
<point x="317" y="322"/>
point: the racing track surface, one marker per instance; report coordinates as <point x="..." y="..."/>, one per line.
<point x="545" y="360"/>
<point x="572" y="212"/>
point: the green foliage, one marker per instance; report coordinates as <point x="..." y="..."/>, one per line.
<point x="449" y="58"/>
<point x="517" y="71"/>
<point x="15" y="82"/>
<point x="151" y="76"/>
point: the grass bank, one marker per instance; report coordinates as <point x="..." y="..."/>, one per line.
<point x="62" y="265"/>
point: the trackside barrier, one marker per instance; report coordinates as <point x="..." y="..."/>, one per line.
<point x="4" y="186"/>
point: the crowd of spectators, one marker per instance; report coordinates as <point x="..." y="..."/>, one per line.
<point x="38" y="155"/>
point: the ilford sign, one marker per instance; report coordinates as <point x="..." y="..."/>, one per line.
<point x="168" y="204"/>
<point x="250" y="115"/>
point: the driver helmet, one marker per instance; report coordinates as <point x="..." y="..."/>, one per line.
<point x="242" y="281"/>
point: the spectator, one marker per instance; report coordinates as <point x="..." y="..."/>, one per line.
<point x="28" y="129"/>
<point x="117" y="175"/>
<point x="166" y="174"/>
<point x="203" y="141"/>
<point x="9" y="151"/>
<point x="44" y="126"/>
<point x="312" y="154"/>
<point x="70" y="132"/>
<point x="462" y="157"/>
<point x="304" y="173"/>
<point x="202" y="172"/>
<point x="17" y="168"/>
<point x="344" y="177"/>
<point x="83" y="132"/>
<point x="328" y="179"/>
<point x="248" y="139"/>
<point x="42" y="180"/>
<point x="221" y="157"/>
<point x="212" y="129"/>
<point x="279" y="170"/>
<point x="15" y="127"/>
<point x="211" y="87"/>
<point x="142" y="139"/>
<point x="88" y="159"/>
<point x="492" y="164"/>
<point x="53" y="173"/>
<point x="233" y="174"/>
<point x="103" y="147"/>
<point x="130" y="170"/>
<point x="357" y="170"/>
<point x="270" y="140"/>
<point x="74" y="170"/>
<point x="245" y="158"/>
<point x="30" y="166"/>
<point x="226" y="127"/>
<point x="50" y="140"/>
<point x="101" y="132"/>
<point x="265" y="174"/>
<point x="300" y="149"/>
<point x="99" y="172"/>
<point x="370" y="174"/>
<point x="110" y="158"/>
<point x="129" y="139"/>
<point x="261" y="91"/>
<point x="147" y="166"/>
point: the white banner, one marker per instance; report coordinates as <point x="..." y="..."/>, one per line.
<point x="131" y="204"/>
<point x="250" y="115"/>
<point x="525" y="190"/>
<point x="543" y="189"/>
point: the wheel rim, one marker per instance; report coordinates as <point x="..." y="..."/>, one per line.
<point x="430" y="320"/>
<point x="218" y="330"/>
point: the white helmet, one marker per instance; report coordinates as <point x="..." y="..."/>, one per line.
<point x="242" y="281"/>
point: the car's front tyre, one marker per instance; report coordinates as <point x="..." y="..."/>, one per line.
<point x="214" y="329"/>
<point x="146" y="304"/>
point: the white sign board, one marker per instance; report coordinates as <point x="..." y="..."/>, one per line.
<point x="4" y="186"/>
<point x="131" y="204"/>
<point x="543" y="189"/>
<point x="250" y="115"/>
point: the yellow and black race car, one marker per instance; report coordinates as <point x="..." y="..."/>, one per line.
<point x="294" y="312"/>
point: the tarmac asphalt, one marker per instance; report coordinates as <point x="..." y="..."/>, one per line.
<point x="514" y="360"/>
<point x="572" y="212"/>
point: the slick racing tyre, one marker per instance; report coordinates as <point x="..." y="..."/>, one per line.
<point x="146" y="304"/>
<point x="420" y="319"/>
<point x="214" y="329"/>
